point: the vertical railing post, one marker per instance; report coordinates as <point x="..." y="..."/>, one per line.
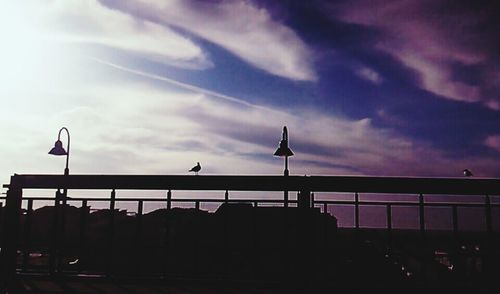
<point x="304" y="199"/>
<point x="111" y="236"/>
<point x="166" y="236"/>
<point x="1" y="221"/>
<point x="305" y="240"/>
<point x="357" y="233"/>
<point x="8" y="253"/>
<point x="421" y="216"/>
<point x="112" y="202"/>
<point x="456" y="241"/>
<point x="84" y="211"/>
<point x="288" y="257"/>
<point x="255" y="244"/>
<point x="27" y="231"/>
<point x="138" y="236"/>
<point x="454" y="211"/>
<point x="421" y="213"/>
<point x="140" y="208"/>
<point x="54" y="254"/>
<point x="226" y="234"/>
<point x="196" y="238"/>
<point x="356" y="210"/>
<point x="389" y="227"/>
<point x="61" y="246"/>
<point x="169" y="199"/>
<point x="327" y="252"/>
<point x="285" y="198"/>
<point x="487" y="261"/>
<point x="489" y="224"/>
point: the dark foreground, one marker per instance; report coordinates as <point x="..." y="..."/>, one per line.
<point x="243" y="249"/>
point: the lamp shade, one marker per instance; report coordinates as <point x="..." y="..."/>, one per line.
<point x="283" y="149"/>
<point x="58" y="149"/>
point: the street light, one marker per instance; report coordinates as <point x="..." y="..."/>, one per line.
<point x="60" y="217"/>
<point x="284" y="150"/>
<point x="58" y="149"/>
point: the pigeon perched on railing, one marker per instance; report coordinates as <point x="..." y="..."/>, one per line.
<point x="467" y="173"/>
<point x="196" y="168"/>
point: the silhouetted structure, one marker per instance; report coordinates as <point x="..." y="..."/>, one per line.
<point x="243" y="240"/>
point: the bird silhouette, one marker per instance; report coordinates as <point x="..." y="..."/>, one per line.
<point x="196" y="168"/>
<point x="467" y="173"/>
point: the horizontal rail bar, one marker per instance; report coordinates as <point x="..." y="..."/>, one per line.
<point x="202" y="200"/>
<point x="456" y="186"/>
<point x="404" y="203"/>
<point x="277" y="201"/>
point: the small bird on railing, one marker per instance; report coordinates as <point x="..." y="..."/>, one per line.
<point x="196" y="168"/>
<point x="467" y="173"/>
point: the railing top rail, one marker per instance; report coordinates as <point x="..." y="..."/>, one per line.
<point x="403" y="185"/>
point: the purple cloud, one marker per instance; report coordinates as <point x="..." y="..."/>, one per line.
<point x="369" y="74"/>
<point x="493" y="142"/>
<point x="439" y="40"/>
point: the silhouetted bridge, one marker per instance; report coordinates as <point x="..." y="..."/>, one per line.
<point x="245" y="240"/>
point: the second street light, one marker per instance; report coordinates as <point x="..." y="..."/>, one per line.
<point x="284" y="151"/>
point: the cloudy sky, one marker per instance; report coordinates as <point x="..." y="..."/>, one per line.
<point x="366" y="87"/>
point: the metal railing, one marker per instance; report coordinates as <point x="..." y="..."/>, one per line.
<point x="305" y="186"/>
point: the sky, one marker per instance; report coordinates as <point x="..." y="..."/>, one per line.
<point x="365" y="87"/>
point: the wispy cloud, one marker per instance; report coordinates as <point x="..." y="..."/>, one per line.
<point x="233" y="137"/>
<point x="369" y="74"/>
<point x="181" y="84"/>
<point x="157" y="125"/>
<point x="124" y="118"/>
<point x="92" y="22"/>
<point x="240" y="27"/>
<point x="493" y="142"/>
<point x="440" y="47"/>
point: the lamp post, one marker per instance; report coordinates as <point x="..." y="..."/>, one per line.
<point x="284" y="151"/>
<point x="58" y="149"/>
<point x="60" y="216"/>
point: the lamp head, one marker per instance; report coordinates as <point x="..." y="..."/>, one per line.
<point x="283" y="149"/>
<point x="58" y="149"/>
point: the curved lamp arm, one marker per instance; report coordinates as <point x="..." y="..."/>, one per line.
<point x="59" y="150"/>
<point x="66" y="169"/>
